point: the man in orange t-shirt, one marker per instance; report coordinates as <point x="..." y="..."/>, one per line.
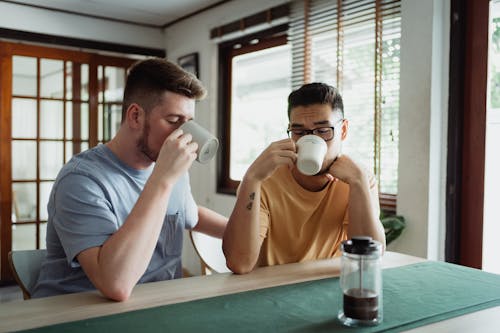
<point x="283" y="216"/>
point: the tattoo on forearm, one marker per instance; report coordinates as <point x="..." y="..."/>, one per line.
<point x="252" y="197"/>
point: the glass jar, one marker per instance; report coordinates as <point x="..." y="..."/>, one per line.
<point x="361" y="282"/>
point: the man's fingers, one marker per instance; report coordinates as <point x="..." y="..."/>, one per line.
<point x="329" y="176"/>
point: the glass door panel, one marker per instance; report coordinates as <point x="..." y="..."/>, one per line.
<point x="42" y="234"/>
<point x="112" y="119"/>
<point x="24" y="201"/>
<point x="51" y="158"/>
<point x="51" y="78"/>
<point x="100" y="125"/>
<point x="114" y="84"/>
<point x="23" y="236"/>
<point x="51" y="119"/>
<point x="24" y="118"/>
<point x="24" y="79"/>
<point x="45" y="188"/>
<point x="24" y="157"/>
<point x="84" y="121"/>
<point x="111" y="86"/>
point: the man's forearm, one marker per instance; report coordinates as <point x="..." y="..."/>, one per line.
<point x="363" y="212"/>
<point x="241" y="242"/>
<point x="125" y="256"/>
<point x="210" y="222"/>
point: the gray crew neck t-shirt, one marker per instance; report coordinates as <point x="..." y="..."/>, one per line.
<point x="90" y="200"/>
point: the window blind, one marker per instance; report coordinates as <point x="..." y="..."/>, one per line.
<point x="354" y="46"/>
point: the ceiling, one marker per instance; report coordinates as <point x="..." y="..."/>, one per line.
<point x="156" y="13"/>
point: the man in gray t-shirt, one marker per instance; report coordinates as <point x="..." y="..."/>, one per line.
<point x="117" y="211"/>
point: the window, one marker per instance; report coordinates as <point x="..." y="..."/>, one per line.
<point x="351" y="44"/>
<point x="354" y="45"/>
<point x="256" y="73"/>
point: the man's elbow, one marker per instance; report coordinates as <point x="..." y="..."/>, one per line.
<point x="236" y="261"/>
<point x="117" y="292"/>
<point x="238" y="267"/>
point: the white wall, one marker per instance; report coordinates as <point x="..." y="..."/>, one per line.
<point x="423" y="117"/>
<point x="43" y="21"/>
<point x="491" y="215"/>
<point x="423" y="126"/>
<point x="491" y="225"/>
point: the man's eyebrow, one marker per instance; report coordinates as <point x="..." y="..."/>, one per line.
<point x="174" y="114"/>
<point x="322" y="122"/>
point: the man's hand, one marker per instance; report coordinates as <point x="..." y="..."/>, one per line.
<point x="347" y="170"/>
<point x="176" y="156"/>
<point x="278" y="153"/>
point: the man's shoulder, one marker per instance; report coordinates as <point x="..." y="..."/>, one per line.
<point x="90" y="163"/>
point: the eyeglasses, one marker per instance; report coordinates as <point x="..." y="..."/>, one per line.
<point x="326" y="133"/>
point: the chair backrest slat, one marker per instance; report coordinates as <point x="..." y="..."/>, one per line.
<point x="25" y="265"/>
<point x="209" y="249"/>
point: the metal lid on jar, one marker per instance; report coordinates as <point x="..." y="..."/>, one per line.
<point x="361" y="245"/>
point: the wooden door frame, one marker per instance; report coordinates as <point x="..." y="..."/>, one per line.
<point x="466" y="131"/>
<point x="7" y="50"/>
<point x="5" y="165"/>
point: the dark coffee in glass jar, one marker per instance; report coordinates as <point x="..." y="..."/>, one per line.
<point x="361" y="304"/>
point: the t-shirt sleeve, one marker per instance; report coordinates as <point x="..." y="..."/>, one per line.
<point x="345" y="220"/>
<point x="83" y="217"/>
<point x="190" y="205"/>
<point x="264" y="216"/>
<point x="374" y="194"/>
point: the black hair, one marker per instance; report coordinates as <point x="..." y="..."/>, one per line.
<point x="316" y="93"/>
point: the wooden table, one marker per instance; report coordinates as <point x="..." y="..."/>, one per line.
<point x="19" y="315"/>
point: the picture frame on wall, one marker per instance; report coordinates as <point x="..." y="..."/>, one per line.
<point x="189" y="63"/>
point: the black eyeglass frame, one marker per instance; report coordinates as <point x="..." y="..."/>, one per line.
<point x="314" y="131"/>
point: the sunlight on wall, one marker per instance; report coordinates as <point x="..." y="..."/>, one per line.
<point x="491" y="225"/>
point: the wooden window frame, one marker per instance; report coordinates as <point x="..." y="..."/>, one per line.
<point x="466" y="132"/>
<point x="275" y="36"/>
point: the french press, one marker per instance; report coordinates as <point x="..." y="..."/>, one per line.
<point x="361" y="282"/>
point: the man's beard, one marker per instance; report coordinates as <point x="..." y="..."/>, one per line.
<point x="142" y="142"/>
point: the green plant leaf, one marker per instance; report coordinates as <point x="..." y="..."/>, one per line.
<point x="393" y="226"/>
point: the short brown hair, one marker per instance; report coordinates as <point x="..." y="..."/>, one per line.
<point x="148" y="79"/>
<point x="316" y="93"/>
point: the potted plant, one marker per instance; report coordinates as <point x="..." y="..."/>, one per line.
<point x="393" y="226"/>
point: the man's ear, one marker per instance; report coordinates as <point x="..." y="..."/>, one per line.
<point x="134" y="116"/>
<point x="345" y="128"/>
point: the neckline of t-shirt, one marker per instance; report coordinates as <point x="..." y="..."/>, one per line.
<point x="134" y="172"/>
<point x="303" y="190"/>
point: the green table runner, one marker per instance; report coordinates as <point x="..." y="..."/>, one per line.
<point x="414" y="295"/>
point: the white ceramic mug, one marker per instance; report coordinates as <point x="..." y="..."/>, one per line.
<point x="311" y="151"/>
<point x="207" y="143"/>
